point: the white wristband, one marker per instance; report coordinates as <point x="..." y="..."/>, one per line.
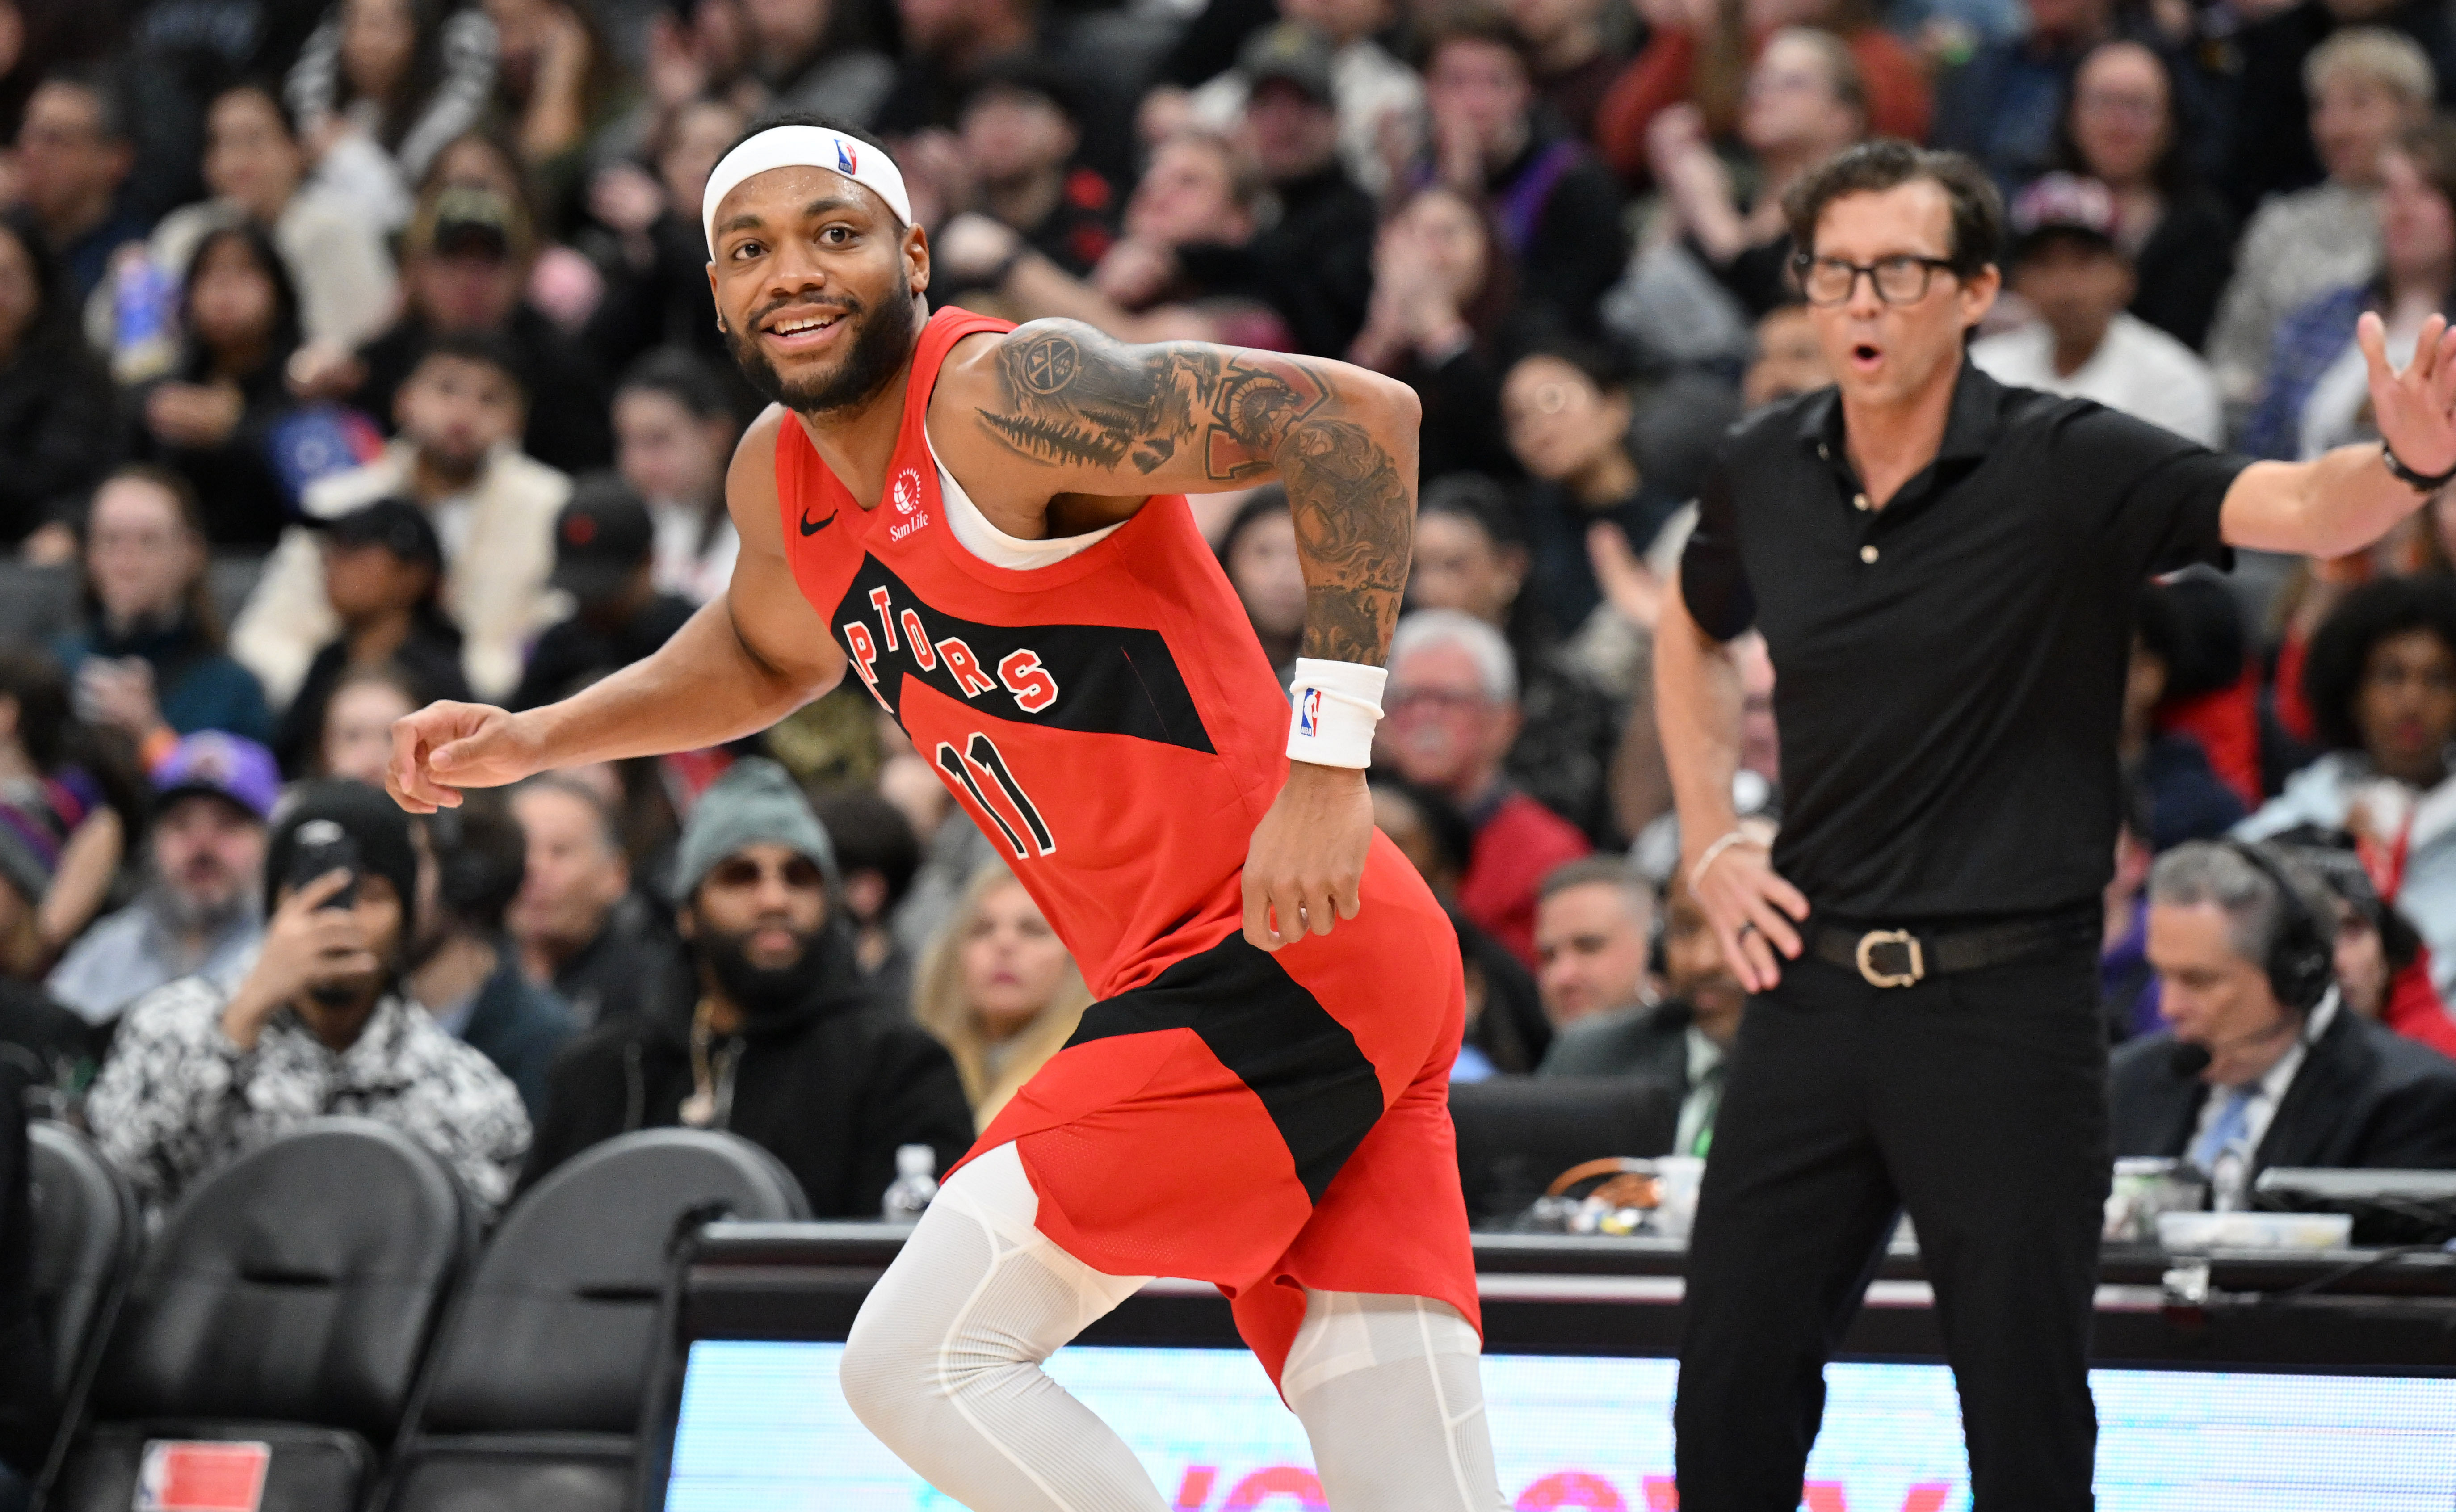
<point x="1335" y="706"/>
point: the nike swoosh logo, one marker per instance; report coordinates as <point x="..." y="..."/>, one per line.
<point x="811" y="528"/>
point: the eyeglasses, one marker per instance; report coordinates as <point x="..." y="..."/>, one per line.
<point x="1902" y="280"/>
<point x="801" y="873"/>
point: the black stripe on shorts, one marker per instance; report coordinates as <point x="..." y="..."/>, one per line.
<point x="1315" y="1083"/>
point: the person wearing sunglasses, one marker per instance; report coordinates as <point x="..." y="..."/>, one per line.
<point x="1945" y="571"/>
<point x="779" y="1041"/>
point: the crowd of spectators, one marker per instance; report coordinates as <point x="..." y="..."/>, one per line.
<point x="359" y="355"/>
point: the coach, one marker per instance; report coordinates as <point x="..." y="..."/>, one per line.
<point x="1944" y="570"/>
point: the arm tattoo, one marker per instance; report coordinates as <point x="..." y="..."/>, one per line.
<point x="1075" y="397"/>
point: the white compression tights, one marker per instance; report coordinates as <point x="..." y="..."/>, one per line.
<point x="944" y="1366"/>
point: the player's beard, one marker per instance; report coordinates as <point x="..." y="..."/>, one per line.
<point x="882" y="342"/>
<point x="760" y="991"/>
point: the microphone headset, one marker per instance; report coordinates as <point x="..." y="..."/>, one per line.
<point x="2302" y="964"/>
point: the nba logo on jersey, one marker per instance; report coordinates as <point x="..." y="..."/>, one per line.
<point x="845" y="158"/>
<point x="1309" y="713"/>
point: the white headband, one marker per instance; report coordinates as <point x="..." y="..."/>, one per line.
<point x="805" y="147"/>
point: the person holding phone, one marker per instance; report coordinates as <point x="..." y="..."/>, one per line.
<point x="319" y="1026"/>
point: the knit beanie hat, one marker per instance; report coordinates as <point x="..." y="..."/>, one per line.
<point x="754" y="802"/>
<point x="370" y="818"/>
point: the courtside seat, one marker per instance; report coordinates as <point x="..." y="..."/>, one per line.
<point x="534" y="1399"/>
<point x="1515" y="1134"/>
<point x="286" y="1302"/>
<point x="87" y="1236"/>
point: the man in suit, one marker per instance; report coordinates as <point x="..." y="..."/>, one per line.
<point x="1684" y="1040"/>
<point x="2262" y="1065"/>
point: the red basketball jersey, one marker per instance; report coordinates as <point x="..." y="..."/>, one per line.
<point x="1108" y="720"/>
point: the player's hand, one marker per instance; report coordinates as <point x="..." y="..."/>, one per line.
<point x="445" y="748"/>
<point x="2413" y="407"/>
<point x="1753" y="910"/>
<point x="1304" y="868"/>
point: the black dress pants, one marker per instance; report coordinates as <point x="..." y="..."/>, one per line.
<point x="1978" y="1101"/>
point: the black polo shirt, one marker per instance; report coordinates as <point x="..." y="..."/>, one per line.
<point x="1949" y="669"/>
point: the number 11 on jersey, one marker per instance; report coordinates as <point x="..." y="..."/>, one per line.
<point x="982" y="755"/>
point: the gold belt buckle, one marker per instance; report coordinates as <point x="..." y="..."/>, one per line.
<point x="1908" y="942"/>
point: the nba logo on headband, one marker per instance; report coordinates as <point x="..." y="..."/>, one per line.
<point x="846" y="163"/>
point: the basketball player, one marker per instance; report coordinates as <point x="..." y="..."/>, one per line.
<point x="986" y="524"/>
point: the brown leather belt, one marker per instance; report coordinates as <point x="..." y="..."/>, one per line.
<point x="1907" y="957"/>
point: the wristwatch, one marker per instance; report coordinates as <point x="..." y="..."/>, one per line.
<point x="2420" y="482"/>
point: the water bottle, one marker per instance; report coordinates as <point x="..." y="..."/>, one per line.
<point x="916" y="1183"/>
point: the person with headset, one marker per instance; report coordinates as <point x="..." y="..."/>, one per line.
<point x="2262" y="1065"/>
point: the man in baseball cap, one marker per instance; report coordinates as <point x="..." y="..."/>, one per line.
<point x="200" y="912"/>
<point x="2070" y="265"/>
<point x="605" y="556"/>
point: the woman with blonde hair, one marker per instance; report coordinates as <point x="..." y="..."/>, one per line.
<point x="998" y="989"/>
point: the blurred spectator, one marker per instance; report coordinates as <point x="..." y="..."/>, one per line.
<point x="1685" y="1041"/>
<point x="1469" y="557"/>
<point x="1377" y="97"/>
<point x="28" y="1413"/>
<point x="581" y="927"/>
<point x="149" y="662"/>
<point x="1567" y="409"/>
<point x="212" y="417"/>
<point x="354" y="739"/>
<point x="1453" y="716"/>
<point x="1179" y="272"/>
<point x="74" y="152"/>
<point x="556" y="82"/>
<point x="493" y="509"/>
<point x="1679" y="65"/>
<point x="1444" y="294"/>
<point x="2368" y="1097"/>
<point x="2170" y="767"/>
<point x="67" y="798"/>
<point x="1574" y="54"/>
<point x="2005" y="104"/>
<point x="201" y="912"/>
<point x="383" y="576"/>
<point x="2368" y="86"/>
<point x="2068" y="265"/>
<point x="879" y="856"/>
<point x="2272" y="148"/>
<point x="950" y="44"/>
<point x="604" y="558"/>
<point x="57" y="410"/>
<point x="804" y="55"/>
<point x="50" y="1044"/>
<point x="2316" y="394"/>
<point x="318" y="1027"/>
<point x="655" y="271"/>
<point x="998" y="989"/>
<point x="1594" y="938"/>
<point x="1804" y="104"/>
<point x="1315" y="264"/>
<point x="257" y="167"/>
<point x="674" y="433"/>
<point x="2381" y="684"/>
<point x="381" y="88"/>
<point x="1258" y="552"/>
<point x="1506" y="1030"/>
<point x="1558" y="209"/>
<point x="2124" y="127"/>
<point x="2383" y="967"/>
<point x="465" y="261"/>
<point x="2127" y="984"/>
<point x="1019" y="134"/>
<point x="774" y="1038"/>
<point x="463" y="970"/>
<point x="1788" y="361"/>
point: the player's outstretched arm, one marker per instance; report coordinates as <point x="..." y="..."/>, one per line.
<point x="1097" y="417"/>
<point x="742" y="662"/>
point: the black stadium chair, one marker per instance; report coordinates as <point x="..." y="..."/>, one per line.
<point x="286" y="1302"/>
<point x="1515" y="1134"/>
<point x="534" y="1399"/>
<point x="87" y="1236"/>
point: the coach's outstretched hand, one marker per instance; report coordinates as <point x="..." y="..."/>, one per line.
<point x="445" y="748"/>
<point x="1304" y="868"/>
